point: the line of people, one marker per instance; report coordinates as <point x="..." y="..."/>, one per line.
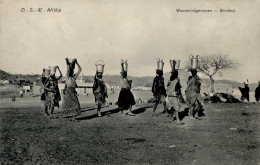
<point x="51" y="93"/>
<point x="170" y="96"/>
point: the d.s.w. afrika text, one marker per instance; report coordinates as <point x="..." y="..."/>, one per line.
<point x="41" y="10"/>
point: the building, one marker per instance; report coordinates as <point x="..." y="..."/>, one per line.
<point x="4" y="81"/>
<point x="114" y="86"/>
<point x="142" y="88"/>
<point x="84" y="88"/>
<point x="27" y="88"/>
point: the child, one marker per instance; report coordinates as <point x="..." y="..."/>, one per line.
<point x="100" y="91"/>
<point x="50" y="100"/>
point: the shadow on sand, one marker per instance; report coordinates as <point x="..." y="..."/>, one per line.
<point x="104" y="113"/>
<point x="184" y="113"/>
<point x="108" y="112"/>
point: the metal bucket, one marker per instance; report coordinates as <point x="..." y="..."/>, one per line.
<point x="171" y="63"/>
<point x="52" y="69"/>
<point x="71" y="60"/>
<point x="100" y="65"/>
<point x="194" y="62"/>
<point x="125" y="65"/>
<point x="46" y="72"/>
<point x="178" y="63"/>
<point x="175" y="64"/>
<point x="160" y="64"/>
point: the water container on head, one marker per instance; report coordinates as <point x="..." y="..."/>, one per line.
<point x="175" y="64"/>
<point x="52" y="69"/>
<point x="100" y="66"/>
<point x="194" y="61"/>
<point x="178" y="63"/>
<point x="160" y="64"/>
<point x="125" y="65"/>
<point x="72" y="62"/>
<point x="46" y="72"/>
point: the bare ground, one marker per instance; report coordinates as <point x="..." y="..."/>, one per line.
<point x="229" y="134"/>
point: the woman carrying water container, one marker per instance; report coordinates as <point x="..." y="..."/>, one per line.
<point x="99" y="87"/>
<point x="52" y="97"/>
<point x="158" y="88"/>
<point x="70" y="105"/>
<point x="173" y="91"/>
<point x="126" y="99"/>
<point x="193" y="97"/>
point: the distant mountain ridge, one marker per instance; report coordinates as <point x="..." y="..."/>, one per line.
<point x="9" y="76"/>
<point x="137" y="81"/>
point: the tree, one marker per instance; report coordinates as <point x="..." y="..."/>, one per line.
<point x="210" y="65"/>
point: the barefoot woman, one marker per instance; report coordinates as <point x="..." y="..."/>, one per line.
<point x="158" y="87"/>
<point x="126" y="99"/>
<point x="100" y="91"/>
<point x="70" y="104"/>
<point x="52" y="96"/>
<point x="193" y="97"/>
<point x="174" y="95"/>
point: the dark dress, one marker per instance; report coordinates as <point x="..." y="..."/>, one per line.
<point x="257" y="93"/>
<point x="158" y="89"/>
<point x="245" y="93"/>
<point x="99" y="91"/>
<point x="126" y="97"/>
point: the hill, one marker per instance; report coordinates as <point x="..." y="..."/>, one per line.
<point x="115" y="79"/>
<point x="12" y="77"/>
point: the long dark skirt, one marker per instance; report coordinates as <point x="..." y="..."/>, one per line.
<point x="70" y="105"/>
<point x="42" y="92"/>
<point x="125" y="99"/>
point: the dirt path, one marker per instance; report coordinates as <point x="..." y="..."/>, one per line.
<point x="229" y="134"/>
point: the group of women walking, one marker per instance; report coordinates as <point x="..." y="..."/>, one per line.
<point x="170" y="96"/>
<point x="51" y="93"/>
<point x="70" y="106"/>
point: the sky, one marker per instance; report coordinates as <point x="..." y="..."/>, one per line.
<point x="137" y="30"/>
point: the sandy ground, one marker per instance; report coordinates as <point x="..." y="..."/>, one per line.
<point x="228" y="134"/>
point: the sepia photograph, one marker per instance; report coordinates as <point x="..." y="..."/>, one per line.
<point x="136" y="82"/>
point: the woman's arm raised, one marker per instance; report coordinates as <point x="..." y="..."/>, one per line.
<point x="60" y="73"/>
<point x="79" y="70"/>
